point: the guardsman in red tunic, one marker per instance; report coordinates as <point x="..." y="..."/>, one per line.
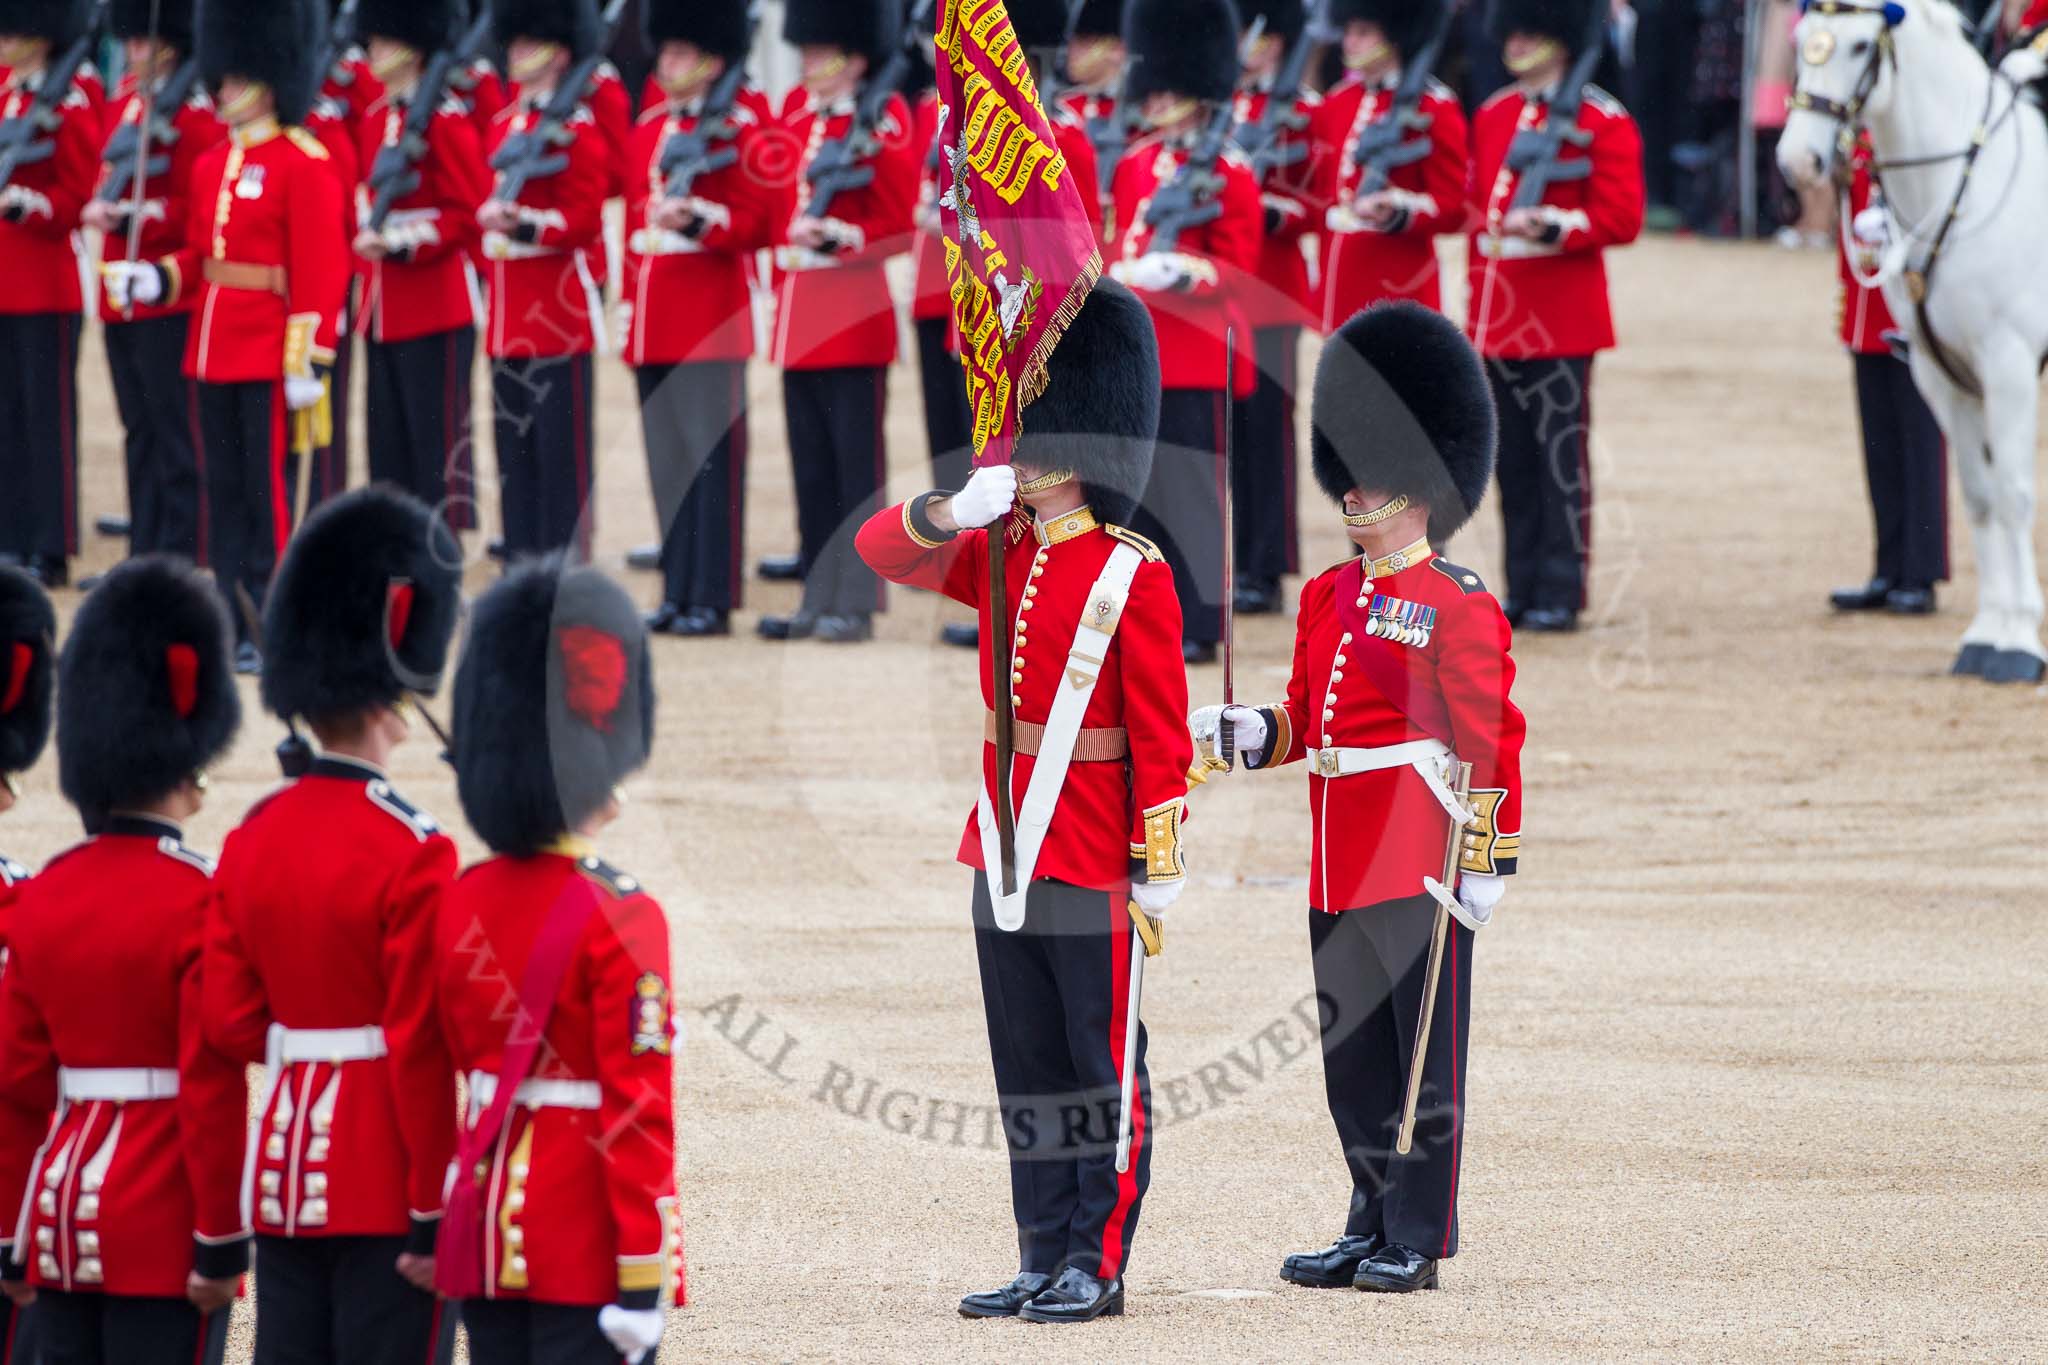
<point x="835" y="322"/>
<point x="320" y="948"/>
<point x="1380" y="243"/>
<point x="146" y="346"/>
<point x="1538" y="300"/>
<point x="28" y="650"/>
<point x="1904" y="457"/>
<point x="1099" y="692"/>
<point x="1184" y="65"/>
<point x="42" y="307"/>
<point x="1096" y="58"/>
<point x="418" y="311"/>
<point x="350" y="85"/>
<point x="611" y="106"/>
<point x="1277" y="301"/>
<point x="265" y="263"/>
<point x="564" y="1241"/>
<point x="115" y="1115"/>
<point x="1401" y="671"/>
<point x="545" y="280"/>
<point x="689" y="313"/>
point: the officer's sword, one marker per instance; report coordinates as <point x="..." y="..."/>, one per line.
<point x="1445" y="894"/>
<point x="1150" y="939"/>
<point x="1226" y="738"/>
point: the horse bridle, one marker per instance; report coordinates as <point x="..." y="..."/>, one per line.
<point x="1849" y="113"/>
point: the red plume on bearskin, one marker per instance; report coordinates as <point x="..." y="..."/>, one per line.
<point x="21" y="657"/>
<point x="593" y="673"/>
<point x="28" y="635"/>
<point x="181" y="666"/>
<point x="398" y="596"/>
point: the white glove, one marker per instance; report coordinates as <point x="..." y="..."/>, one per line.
<point x="1872" y="228"/>
<point x="1478" y="894"/>
<point x="2024" y="65"/>
<point x="990" y="492"/>
<point x="302" y="393"/>
<point x="1154" y="897"/>
<point x="1248" y="728"/>
<point x="132" y="282"/>
<point x="633" y="1332"/>
<point x="1157" y="271"/>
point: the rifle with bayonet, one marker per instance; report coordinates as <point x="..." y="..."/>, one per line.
<point x="1536" y="154"/>
<point x="1265" y="141"/>
<point x="31" y="136"/>
<point x="396" y="171"/>
<point x="842" y="166"/>
<point x="125" y="146"/>
<point x="1389" y="143"/>
<point x="541" y="151"/>
<point x="1195" y="194"/>
<point x="713" y="144"/>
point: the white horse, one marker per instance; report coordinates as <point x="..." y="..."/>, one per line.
<point x="1962" y="159"/>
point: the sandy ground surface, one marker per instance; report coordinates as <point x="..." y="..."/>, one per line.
<point x="1758" y="1063"/>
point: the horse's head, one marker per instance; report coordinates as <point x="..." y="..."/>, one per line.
<point x="1846" y="69"/>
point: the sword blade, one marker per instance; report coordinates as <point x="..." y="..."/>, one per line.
<point x="1225" y="735"/>
<point x="1133" y="1000"/>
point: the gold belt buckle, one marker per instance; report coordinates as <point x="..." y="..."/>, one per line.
<point x="1328" y="762"/>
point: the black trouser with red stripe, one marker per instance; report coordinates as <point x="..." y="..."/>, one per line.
<point x="694" y="419"/>
<point x="545" y="433"/>
<point x="838" y="457"/>
<point x="248" y="489"/>
<point x="20" y="1334"/>
<point x="418" y="413"/>
<point x="1266" y="464"/>
<point x="159" y="417"/>
<point x="39" y="435"/>
<point x="1369" y="969"/>
<point x="119" y="1329"/>
<point x="341" y="1301"/>
<point x="1183" y="507"/>
<point x="1907" y="466"/>
<point x="519" y="1332"/>
<point x="1546" y="478"/>
<point x="948" y="424"/>
<point x="1054" y="992"/>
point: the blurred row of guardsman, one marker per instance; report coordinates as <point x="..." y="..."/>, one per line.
<point x="273" y="182"/>
<point x="335" y="944"/>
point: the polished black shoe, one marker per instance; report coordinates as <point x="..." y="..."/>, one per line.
<point x="1514" y="611"/>
<point x="1395" y="1270"/>
<point x="1256" y="599"/>
<point x="1910" y="601"/>
<point x="116" y="527"/>
<point x="51" y="573"/>
<point x="248" y="660"/>
<point x="496" y="550"/>
<point x="1076" y="1296"/>
<point x="1869" y="597"/>
<point x="700" y="622"/>
<point x="797" y="627"/>
<point x="663" y="618"/>
<point x="850" y="629"/>
<point x="780" y="568"/>
<point x="961" y="634"/>
<point x="91" y="581"/>
<point x="1007" y="1301"/>
<point x="1334" y="1267"/>
<point x="1550" y="620"/>
<point x="1198" y="651"/>
<point x="644" y="557"/>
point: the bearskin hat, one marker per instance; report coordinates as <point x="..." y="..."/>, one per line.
<point x="423" y="25"/>
<point x="146" y="690"/>
<point x="1285" y="19"/>
<point x="1186" y="46"/>
<point x="575" y="24"/>
<point x="28" y="659"/>
<point x="1103" y="18"/>
<point x="719" y="27"/>
<point x="871" y="28"/>
<point x="1099" y="412"/>
<point x="554" y="703"/>
<point x="363" y="607"/>
<point x="1407" y="24"/>
<point x="1568" y="21"/>
<point x="1402" y="406"/>
<point x="130" y="19"/>
<point x="60" y="21"/>
<point x="278" y="42"/>
<point x="1041" y="25"/>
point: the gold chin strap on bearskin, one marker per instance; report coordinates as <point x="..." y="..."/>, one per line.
<point x="1378" y="514"/>
<point x="1052" y="479"/>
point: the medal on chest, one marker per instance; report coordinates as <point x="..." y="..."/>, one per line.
<point x="250" y="185"/>
<point x="1404" y="623"/>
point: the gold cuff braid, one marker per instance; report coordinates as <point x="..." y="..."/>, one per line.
<point x="1163" y="861"/>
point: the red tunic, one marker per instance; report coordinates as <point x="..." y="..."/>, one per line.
<point x="166" y="196"/>
<point x="1378" y="834"/>
<point x="429" y="289"/>
<point x="546" y="277"/>
<point x="266" y="198"/>
<point x="1100" y="827"/>
<point x="1089" y="109"/>
<point x="1295" y="197"/>
<point x="351" y="89"/>
<point x="1191" y="322"/>
<point x="581" y="1202"/>
<point x="1361" y="267"/>
<point x="687" y="296"/>
<point x="1865" y="315"/>
<point x="129" y="1195"/>
<point x="1533" y="299"/>
<point x="323" y="918"/>
<point x="483" y="92"/>
<point x="41" y="248"/>
<point x="834" y="310"/>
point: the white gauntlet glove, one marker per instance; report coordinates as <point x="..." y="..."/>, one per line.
<point x="633" y="1332"/>
<point x="132" y="282"/>
<point x="1872" y="228"/>
<point x="2024" y="65"/>
<point x="1247" y="727"/>
<point x="1154" y="897"/>
<point x="1157" y="271"/>
<point x="1478" y="895"/>
<point x="990" y="492"/>
<point x="302" y="392"/>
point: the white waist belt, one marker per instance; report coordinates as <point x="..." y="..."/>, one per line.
<point x="1429" y="758"/>
<point x="329" y="1044"/>
<point x="84" y="1084"/>
<point x="534" y="1093"/>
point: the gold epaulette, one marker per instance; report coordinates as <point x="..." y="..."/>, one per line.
<point x="1136" y="542"/>
<point x="307" y="143"/>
